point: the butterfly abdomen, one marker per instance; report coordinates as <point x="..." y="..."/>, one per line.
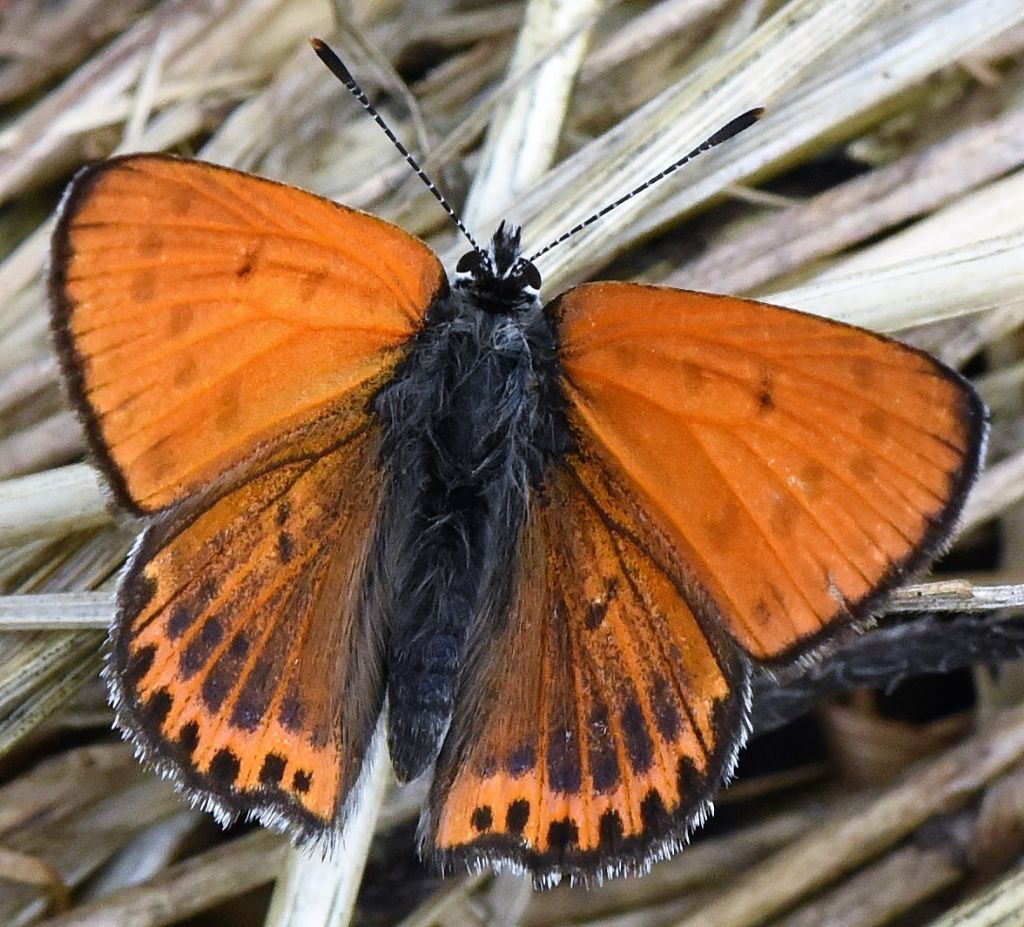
<point x="467" y="429"/>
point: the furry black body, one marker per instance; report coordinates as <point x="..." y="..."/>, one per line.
<point x="471" y="420"/>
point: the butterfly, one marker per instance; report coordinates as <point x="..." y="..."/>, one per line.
<point x="545" y="545"/>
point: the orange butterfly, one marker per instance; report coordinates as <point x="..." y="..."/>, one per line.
<point x="549" y="541"/>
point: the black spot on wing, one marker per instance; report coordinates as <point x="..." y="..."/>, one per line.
<point x="197" y="654"/>
<point x="689" y="779"/>
<point x="225" y="672"/>
<point x="639" y="746"/>
<point x="139" y="663"/>
<point x="182" y="618"/>
<point x="156" y="709"/>
<point x="216" y="688"/>
<point x="666" y="714"/>
<point x="521" y="760"/>
<point x="517" y="816"/>
<point x="565" y="773"/>
<point x="272" y="770"/>
<point x="766" y="392"/>
<point x="188" y="738"/>
<point x="562" y="835"/>
<point x="596" y="611"/>
<point x="604" y="761"/>
<point x="653" y="814"/>
<point x="224" y="766"/>
<point x="610" y="832"/>
<point x="482" y="819"/>
<point x="253" y="700"/>
<point x="291" y="713"/>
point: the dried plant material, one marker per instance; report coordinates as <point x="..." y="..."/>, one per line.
<point x="870" y="749"/>
<point x="882" y="892"/>
<point x="844" y="80"/>
<point x="313" y="890"/>
<point x="40" y="42"/>
<point x="1001" y="487"/>
<point x="524" y="130"/>
<point x="186" y="888"/>
<point x="54" y="441"/>
<point x="934" y="787"/>
<point x="64" y="611"/>
<point x="854" y="211"/>
<point x="31" y="870"/>
<point x="920" y="290"/>
<point x="72" y="813"/>
<point x="855" y="78"/>
<point x="53" y="503"/>
<point x="954" y="596"/>
<point x="998" y="905"/>
<point x="692" y="876"/>
<point x="997" y="840"/>
<point x="451" y="903"/>
<point x="986" y="214"/>
<point x="892" y="653"/>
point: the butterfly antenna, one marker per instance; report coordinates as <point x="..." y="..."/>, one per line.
<point x="731" y="128"/>
<point x="328" y="56"/>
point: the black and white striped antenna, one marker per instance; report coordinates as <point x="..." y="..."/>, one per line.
<point x="338" y="69"/>
<point x="731" y="128"/>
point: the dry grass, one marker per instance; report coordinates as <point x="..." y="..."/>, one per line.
<point x="884" y="187"/>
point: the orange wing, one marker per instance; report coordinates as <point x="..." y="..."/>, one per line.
<point x="202" y="315"/>
<point x="594" y="730"/>
<point x="246" y="653"/>
<point x="795" y="468"/>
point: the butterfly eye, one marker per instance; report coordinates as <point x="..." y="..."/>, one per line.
<point x="531" y="275"/>
<point x="470" y="263"/>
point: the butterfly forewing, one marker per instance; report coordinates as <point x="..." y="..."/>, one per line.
<point x="202" y="313"/>
<point x="592" y="732"/>
<point x="796" y="467"/>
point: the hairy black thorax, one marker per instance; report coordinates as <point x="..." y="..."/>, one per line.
<point x="471" y="420"/>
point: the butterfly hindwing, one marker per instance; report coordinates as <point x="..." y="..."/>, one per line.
<point x="592" y="731"/>
<point x="796" y="468"/>
<point x="201" y="314"/>
<point x="246" y="653"/>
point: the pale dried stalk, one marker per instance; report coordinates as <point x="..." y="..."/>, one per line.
<point x="799" y="43"/>
<point x="524" y="130"/>
<point x="1000" y="905"/>
<point x="853" y="211"/>
<point x="847" y="839"/>
<point x="992" y="211"/>
<point x="63" y="611"/>
<point x="999" y="487"/>
<point x="52" y="504"/>
<point x="200" y="882"/>
<point x="972" y="278"/>
<point x="896" y="884"/>
<point x="954" y="595"/>
<point x="311" y="890"/>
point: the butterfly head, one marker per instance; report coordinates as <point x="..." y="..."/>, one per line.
<point x="500" y="279"/>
